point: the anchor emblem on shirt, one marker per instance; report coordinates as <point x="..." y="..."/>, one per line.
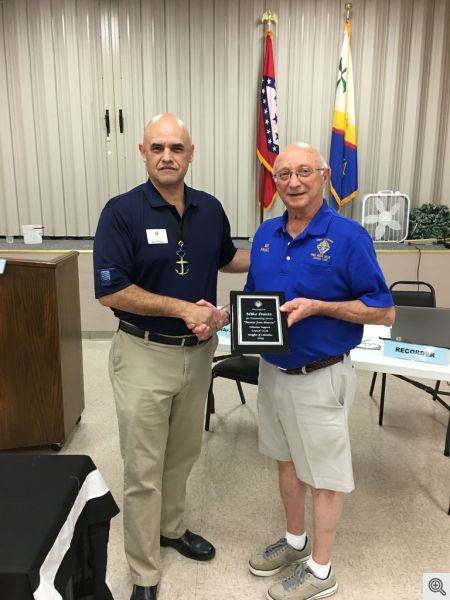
<point x="182" y="264"/>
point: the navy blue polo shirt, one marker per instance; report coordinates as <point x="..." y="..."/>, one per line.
<point x="134" y="244"/>
<point x="333" y="260"/>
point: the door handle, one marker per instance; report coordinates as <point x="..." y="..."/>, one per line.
<point x="120" y="120"/>
<point x="107" y="123"/>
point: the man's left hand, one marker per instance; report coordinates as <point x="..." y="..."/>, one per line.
<point x="298" y="309"/>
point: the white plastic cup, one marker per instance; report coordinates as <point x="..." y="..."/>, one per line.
<point x="32" y="234"/>
<point x="10" y="239"/>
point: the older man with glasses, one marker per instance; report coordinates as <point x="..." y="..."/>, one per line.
<point x="327" y="268"/>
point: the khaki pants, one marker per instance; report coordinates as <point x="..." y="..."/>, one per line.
<point x="160" y="393"/>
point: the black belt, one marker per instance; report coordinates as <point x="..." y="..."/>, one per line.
<point x="316" y="365"/>
<point x="186" y="340"/>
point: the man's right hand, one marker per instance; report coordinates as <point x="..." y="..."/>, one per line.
<point x="205" y="318"/>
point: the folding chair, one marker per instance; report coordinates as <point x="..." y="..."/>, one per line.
<point x="241" y="368"/>
<point x="411" y="296"/>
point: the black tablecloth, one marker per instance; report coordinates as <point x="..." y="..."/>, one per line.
<point x="54" y="526"/>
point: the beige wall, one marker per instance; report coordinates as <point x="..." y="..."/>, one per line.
<point x="432" y="266"/>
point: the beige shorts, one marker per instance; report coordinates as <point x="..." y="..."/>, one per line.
<point x="304" y="419"/>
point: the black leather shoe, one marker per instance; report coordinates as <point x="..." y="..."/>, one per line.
<point x="141" y="592"/>
<point x="190" y="545"/>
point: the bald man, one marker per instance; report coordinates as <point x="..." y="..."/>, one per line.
<point x="157" y="252"/>
<point x="327" y="268"/>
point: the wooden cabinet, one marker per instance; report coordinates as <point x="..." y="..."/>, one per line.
<point x="41" y="382"/>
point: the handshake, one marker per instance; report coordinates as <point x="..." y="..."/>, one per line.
<point x="204" y="319"/>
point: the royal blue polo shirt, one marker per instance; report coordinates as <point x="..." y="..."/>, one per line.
<point x="333" y="259"/>
<point x="135" y="244"/>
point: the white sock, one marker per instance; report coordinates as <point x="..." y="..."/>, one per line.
<point x="296" y="541"/>
<point x="320" y="571"/>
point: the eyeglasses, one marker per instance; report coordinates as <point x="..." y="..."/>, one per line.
<point x="369" y="346"/>
<point x="301" y="172"/>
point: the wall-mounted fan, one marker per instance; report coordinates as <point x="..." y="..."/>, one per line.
<point x="385" y="215"/>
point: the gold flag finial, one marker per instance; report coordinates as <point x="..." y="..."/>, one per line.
<point x="348" y="8"/>
<point x="269" y="17"/>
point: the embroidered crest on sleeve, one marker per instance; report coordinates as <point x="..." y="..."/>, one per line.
<point x="105" y="275"/>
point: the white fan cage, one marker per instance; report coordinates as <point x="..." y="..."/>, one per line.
<point x="385" y="215"/>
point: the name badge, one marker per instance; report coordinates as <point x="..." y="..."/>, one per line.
<point x="157" y="236"/>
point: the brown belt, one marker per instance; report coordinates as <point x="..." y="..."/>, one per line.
<point x="316" y="365"/>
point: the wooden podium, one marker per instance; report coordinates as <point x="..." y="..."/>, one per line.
<point x="41" y="382"/>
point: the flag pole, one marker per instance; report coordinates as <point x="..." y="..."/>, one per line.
<point x="348" y="8"/>
<point x="267" y="19"/>
<point x="343" y="146"/>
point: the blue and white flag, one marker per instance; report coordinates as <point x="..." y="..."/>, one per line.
<point x="344" y="151"/>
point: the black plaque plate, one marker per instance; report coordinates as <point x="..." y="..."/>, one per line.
<point x="257" y="325"/>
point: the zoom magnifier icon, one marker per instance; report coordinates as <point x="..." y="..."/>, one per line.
<point x="435" y="585"/>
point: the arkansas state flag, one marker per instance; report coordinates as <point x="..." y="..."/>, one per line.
<point x="267" y="149"/>
<point x="343" y="151"/>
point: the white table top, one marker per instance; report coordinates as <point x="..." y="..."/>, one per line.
<point x="373" y="360"/>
